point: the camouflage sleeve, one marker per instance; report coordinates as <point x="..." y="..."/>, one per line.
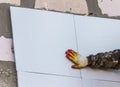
<point x="107" y="60"/>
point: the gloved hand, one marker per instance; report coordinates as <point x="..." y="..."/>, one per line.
<point x="73" y="56"/>
<point x="77" y="59"/>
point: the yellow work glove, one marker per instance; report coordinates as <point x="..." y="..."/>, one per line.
<point x="75" y="58"/>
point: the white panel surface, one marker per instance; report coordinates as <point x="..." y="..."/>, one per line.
<point x="112" y="75"/>
<point x="40" y="80"/>
<point x="98" y="83"/>
<point x="105" y="84"/>
<point x="41" y="39"/>
<point x="96" y="35"/>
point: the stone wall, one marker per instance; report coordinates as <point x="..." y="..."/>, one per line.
<point x="98" y="8"/>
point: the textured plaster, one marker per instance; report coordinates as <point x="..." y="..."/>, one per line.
<point x="6" y="53"/>
<point x="14" y="2"/>
<point x="110" y="7"/>
<point x="71" y="6"/>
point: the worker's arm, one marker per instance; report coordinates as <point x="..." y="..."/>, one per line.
<point x="109" y="59"/>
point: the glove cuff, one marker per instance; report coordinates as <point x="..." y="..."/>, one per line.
<point x="83" y="61"/>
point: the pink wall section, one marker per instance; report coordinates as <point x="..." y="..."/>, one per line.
<point x="6" y="53"/>
<point x="110" y="7"/>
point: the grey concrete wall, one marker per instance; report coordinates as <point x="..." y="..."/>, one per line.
<point x="99" y="8"/>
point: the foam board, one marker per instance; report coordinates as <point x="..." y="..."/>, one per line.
<point x="105" y="84"/>
<point x="38" y="80"/>
<point x="96" y="35"/>
<point x="99" y="83"/>
<point x="112" y="75"/>
<point x="41" y="39"/>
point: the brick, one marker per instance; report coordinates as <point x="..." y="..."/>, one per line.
<point x="72" y="6"/>
<point x="6" y="51"/>
<point x="110" y="7"/>
<point x="14" y="2"/>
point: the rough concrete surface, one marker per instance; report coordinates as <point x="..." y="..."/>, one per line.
<point x="8" y="74"/>
<point x="71" y="6"/>
<point x="27" y="3"/>
<point x="5" y="22"/>
<point x="93" y="8"/>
